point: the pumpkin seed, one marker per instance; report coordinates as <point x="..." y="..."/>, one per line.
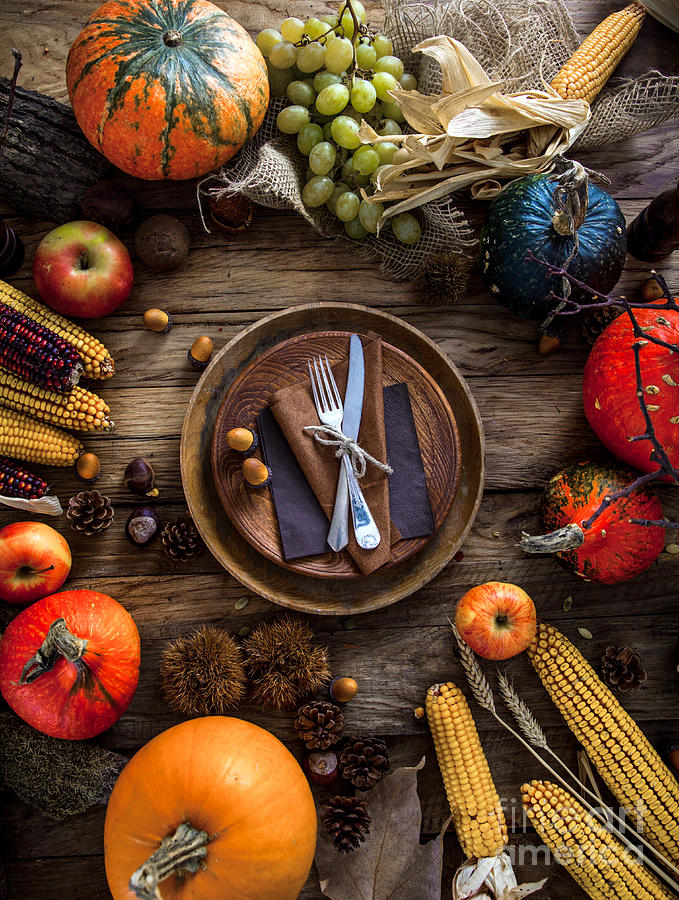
<point x="672" y="548"/>
<point x="567" y="604"/>
<point x="585" y="633"/>
<point x="652" y="407"/>
<point x="241" y="603"/>
<point x="669" y="380"/>
<point x="245" y="631"/>
<point x="652" y="389"/>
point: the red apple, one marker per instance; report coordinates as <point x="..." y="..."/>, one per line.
<point x="497" y="620"/>
<point x="82" y="269"/>
<point x="34" y="561"/>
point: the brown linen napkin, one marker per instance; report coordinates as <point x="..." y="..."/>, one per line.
<point x="293" y="408"/>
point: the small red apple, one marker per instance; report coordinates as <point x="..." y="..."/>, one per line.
<point x="82" y="269"/>
<point x="497" y="620"/>
<point x="34" y="561"/>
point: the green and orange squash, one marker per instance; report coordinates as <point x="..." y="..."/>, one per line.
<point x="610" y="549"/>
<point x="166" y="88"/>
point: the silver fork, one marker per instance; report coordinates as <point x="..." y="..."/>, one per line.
<point x="331" y="412"/>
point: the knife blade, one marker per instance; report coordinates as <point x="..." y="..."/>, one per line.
<point x="353" y="397"/>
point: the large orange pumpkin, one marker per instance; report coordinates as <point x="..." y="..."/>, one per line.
<point x="248" y="807"/>
<point x="166" y="88"/>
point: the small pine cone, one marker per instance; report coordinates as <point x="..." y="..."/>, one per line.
<point x="595" y="321"/>
<point x="89" y="512"/>
<point x="181" y="540"/>
<point x="623" y="668"/>
<point x="347" y="822"/>
<point x="319" y="724"/>
<point x="364" y="761"/>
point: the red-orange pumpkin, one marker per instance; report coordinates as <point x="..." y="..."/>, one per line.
<point x="249" y="814"/>
<point x="166" y="88"/>
<point x="69" y="664"/>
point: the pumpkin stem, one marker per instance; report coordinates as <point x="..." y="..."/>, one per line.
<point x="572" y="199"/>
<point x="59" y="641"/>
<point x="172" y="38"/>
<point x="182" y="851"/>
<point x="568" y="538"/>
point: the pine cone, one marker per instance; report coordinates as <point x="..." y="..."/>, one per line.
<point x="181" y="540"/>
<point x="89" y="512"/>
<point x="347" y="822"/>
<point x="623" y="668"/>
<point x="364" y="761"/>
<point x="596" y="320"/>
<point x="319" y="724"/>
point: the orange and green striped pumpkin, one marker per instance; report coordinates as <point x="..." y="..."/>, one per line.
<point x="166" y="88"/>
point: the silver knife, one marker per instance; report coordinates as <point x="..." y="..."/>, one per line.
<point x="348" y="489"/>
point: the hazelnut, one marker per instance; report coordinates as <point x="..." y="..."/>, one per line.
<point x="548" y="344"/>
<point x="242" y="439"/>
<point x="88" y="467"/>
<point x="157" y="320"/>
<point x="200" y="352"/>
<point x="651" y="290"/>
<point x="343" y="689"/>
<point x="255" y="472"/>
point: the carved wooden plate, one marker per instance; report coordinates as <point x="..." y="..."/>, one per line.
<point x="253" y="512"/>
<point x="269" y="579"/>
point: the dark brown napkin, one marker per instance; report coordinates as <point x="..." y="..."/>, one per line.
<point x="293" y="408"/>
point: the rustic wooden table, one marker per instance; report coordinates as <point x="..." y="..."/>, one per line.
<point x="532" y="412"/>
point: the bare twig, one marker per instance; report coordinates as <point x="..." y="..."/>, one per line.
<point x="12" y="90"/>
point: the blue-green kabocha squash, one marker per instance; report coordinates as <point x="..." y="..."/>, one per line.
<point x="562" y="219"/>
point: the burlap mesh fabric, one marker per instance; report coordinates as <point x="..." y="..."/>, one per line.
<point x="519" y="42"/>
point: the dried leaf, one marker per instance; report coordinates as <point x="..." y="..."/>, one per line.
<point x="391" y="864"/>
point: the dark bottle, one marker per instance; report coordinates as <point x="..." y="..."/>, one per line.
<point x="11" y="250"/>
<point x="654" y="233"/>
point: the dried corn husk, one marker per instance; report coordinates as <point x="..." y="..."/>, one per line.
<point x="665" y="11"/>
<point x="472" y="135"/>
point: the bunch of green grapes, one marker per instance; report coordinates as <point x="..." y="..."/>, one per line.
<point x="336" y="72"/>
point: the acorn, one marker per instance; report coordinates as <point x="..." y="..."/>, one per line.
<point x="200" y="352"/>
<point x="88" y="467"/>
<point x="142" y="526"/>
<point x="343" y="689"/>
<point x="321" y="766"/>
<point x="242" y="439"/>
<point x="255" y="472"/>
<point x="140" y="476"/>
<point x="157" y="320"/>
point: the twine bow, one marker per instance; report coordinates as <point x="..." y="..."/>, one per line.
<point x="346" y="446"/>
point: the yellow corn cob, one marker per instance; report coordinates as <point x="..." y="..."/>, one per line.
<point x="97" y="361"/>
<point x="596" y="859"/>
<point x="22" y="437"/>
<point x="80" y="410"/>
<point x="593" y="63"/>
<point x="474" y="802"/>
<point x="625" y="759"/>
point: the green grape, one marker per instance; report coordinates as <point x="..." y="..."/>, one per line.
<point x="311" y="57"/>
<point x="292" y="119"/>
<point x="267" y="39"/>
<point x="408" y="82"/>
<point x="332" y="99"/>
<point x="283" y="55"/>
<point x="393" y="111"/>
<point x="363" y="95"/>
<point x="387" y="126"/>
<point x="345" y="132"/>
<point x="300" y="93"/>
<point x="366" y="160"/>
<point x="347" y="206"/>
<point x="390" y="64"/>
<point x="308" y="175"/>
<point x="401" y="156"/>
<point x="318" y="190"/>
<point x="385" y="151"/>
<point x="406" y="228"/>
<point x="322" y="158"/>
<point x="351" y="176"/>
<point x="354" y="229"/>
<point x="382" y="45"/>
<point x="327" y="130"/>
<point x="309" y="136"/>
<point x="332" y="21"/>
<point x="331" y="203"/>
<point x="315" y="29"/>
<point x="375" y="113"/>
<point x="369" y="215"/>
<point x="353" y="114"/>
<point x="359" y="10"/>
<point x="292" y="29"/>
<point x="279" y="79"/>
<point x="339" y="55"/>
<point x="366" y="56"/>
<point x="376" y="173"/>
<point x="383" y="82"/>
<point x="324" y="79"/>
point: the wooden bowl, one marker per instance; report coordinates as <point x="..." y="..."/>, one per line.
<point x="253" y="512"/>
<point x="267" y="578"/>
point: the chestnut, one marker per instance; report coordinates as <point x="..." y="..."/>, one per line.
<point x="142" y="526"/>
<point x="140" y="476"/>
<point x="321" y="766"/>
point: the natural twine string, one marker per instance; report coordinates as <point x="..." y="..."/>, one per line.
<point x="346" y="446"/>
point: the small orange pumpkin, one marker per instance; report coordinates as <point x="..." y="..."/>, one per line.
<point x="232" y="803"/>
<point x="166" y="88"/>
